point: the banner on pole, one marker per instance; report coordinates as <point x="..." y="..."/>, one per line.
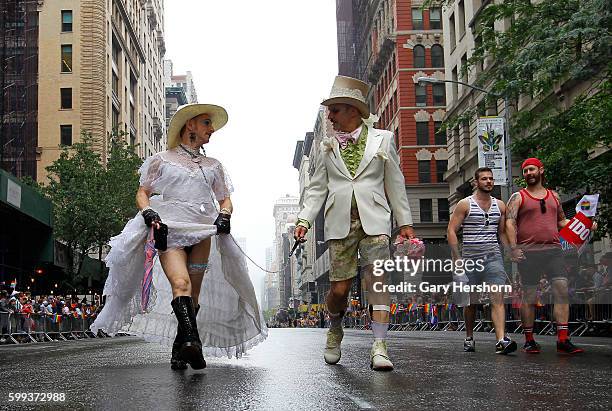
<point x="491" y="147"/>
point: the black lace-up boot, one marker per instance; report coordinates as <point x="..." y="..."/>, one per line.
<point x="175" y="363"/>
<point x="190" y="347"/>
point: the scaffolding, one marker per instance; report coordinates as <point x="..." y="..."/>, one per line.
<point x="19" y="85"/>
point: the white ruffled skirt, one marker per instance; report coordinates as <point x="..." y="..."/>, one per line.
<point x="229" y="321"/>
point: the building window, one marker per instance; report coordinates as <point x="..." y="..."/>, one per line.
<point x="443" y="214"/>
<point x="454" y="84"/>
<point x="435" y="18"/>
<point x="439" y="94"/>
<point x="66" y="58"/>
<point x="115" y="85"/>
<point x="451" y="29"/>
<point x="477" y="46"/>
<point x="437" y="56"/>
<point x="115" y="122"/>
<point x="461" y="19"/>
<point x="133" y="84"/>
<point x="396" y="135"/>
<point x="441" y="167"/>
<point x="66" y="135"/>
<point x="418" y="54"/>
<point x="425" y="210"/>
<point x="66" y="98"/>
<point x="424" y="171"/>
<point x="439" y="135"/>
<point x="464" y="70"/>
<point x="66" y="20"/>
<point x="417" y="19"/>
<point x="422" y="131"/>
<point x="421" y="95"/>
<point x="116" y="50"/>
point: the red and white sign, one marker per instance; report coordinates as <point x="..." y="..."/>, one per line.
<point x="577" y="231"/>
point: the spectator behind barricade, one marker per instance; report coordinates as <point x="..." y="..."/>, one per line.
<point x="36" y="304"/>
<point x="46" y="308"/>
<point x="585" y="277"/>
<point x="601" y="278"/>
<point x="4" y="315"/>
<point x="57" y="306"/>
<point x="17" y="304"/>
<point x="65" y="309"/>
<point x="26" y="315"/>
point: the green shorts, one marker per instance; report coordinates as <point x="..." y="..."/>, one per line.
<point x="343" y="252"/>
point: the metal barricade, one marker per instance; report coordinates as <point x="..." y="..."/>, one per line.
<point x="19" y="328"/>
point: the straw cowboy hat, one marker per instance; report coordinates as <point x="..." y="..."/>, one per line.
<point x="217" y="114"/>
<point x="348" y="90"/>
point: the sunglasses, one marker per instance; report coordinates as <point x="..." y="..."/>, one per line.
<point x="542" y="206"/>
<point x="487" y="221"/>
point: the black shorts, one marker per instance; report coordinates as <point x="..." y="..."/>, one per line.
<point x="539" y="263"/>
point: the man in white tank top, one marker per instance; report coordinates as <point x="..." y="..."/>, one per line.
<point x="483" y="219"/>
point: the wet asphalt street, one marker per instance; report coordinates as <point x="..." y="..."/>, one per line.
<point x="287" y="372"/>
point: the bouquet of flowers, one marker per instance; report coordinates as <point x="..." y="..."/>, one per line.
<point x="409" y="247"/>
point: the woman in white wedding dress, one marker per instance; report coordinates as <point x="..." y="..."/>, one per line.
<point x="202" y="296"/>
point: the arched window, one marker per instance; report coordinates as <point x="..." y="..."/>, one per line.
<point x="437" y="56"/>
<point x="418" y="52"/>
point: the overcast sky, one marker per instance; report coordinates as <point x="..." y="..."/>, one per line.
<point x="269" y="63"/>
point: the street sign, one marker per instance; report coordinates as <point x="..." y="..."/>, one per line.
<point x="491" y="147"/>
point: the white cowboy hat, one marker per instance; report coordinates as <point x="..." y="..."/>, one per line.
<point x="217" y="114"/>
<point x="348" y="90"/>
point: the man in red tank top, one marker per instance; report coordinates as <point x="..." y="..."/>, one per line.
<point x="533" y="221"/>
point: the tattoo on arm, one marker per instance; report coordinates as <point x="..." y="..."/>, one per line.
<point x="513" y="206"/>
<point x="511" y="215"/>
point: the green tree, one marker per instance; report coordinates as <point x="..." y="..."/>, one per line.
<point x="549" y="48"/>
<point x="91" y="201"/>
<point x="119" y="186"/>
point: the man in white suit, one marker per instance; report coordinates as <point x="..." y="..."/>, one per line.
<point x="357" y="175"/>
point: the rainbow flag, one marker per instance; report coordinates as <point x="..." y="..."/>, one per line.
<point x="427" y="308"/>
<point x="56" y="318"/>
<point x="14" y="284"/>
<point x="393" y="308"/>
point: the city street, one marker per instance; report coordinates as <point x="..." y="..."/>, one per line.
<point x="287" y="372"/>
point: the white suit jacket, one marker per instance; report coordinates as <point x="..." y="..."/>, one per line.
<point x="378" y="181"/>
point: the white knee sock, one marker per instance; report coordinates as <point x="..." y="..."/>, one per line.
<point x="379" y="330"/>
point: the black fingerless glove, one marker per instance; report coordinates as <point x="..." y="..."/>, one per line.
<point x="150" y="216"/>
<point x="223" y="223"/>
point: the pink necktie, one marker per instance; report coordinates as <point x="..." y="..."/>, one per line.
<point x="344" y="138"/>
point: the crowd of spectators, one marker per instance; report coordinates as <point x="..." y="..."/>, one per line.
<point x="22" y="312"/>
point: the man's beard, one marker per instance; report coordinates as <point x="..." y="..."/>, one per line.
<point x="534" y="181"/>
<point x="485" y="189"/>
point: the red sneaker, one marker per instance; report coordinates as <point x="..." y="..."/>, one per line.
<point x="531" y="347"/>
<point x="566" y="347"/>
